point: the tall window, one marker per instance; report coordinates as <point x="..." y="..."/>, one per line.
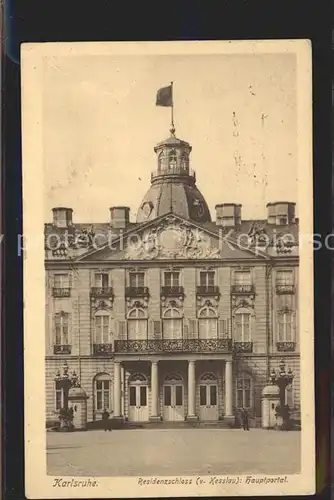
<point x="172" y="279"/>
<point x="244" y="392"/>
<point x="102" y="328"/>
<point x="59" y="396"/>
<point x="284" y="277"/>
<point x="137" y="280"/>
<point x="172" y="324"/>
<point x="172" y="159"/>
<point x="102" y="390"/>
<point x="242" y="278"/>
<point x="207" y="278"/>
<point x="61" y="328"/>
<point x="243" y="327"/>
<point x="208" y="323"/>
<point x="101" y="280"/>
<point x="137" y="324"/>
<point x="285" y="326"/>
<point x="61" y="281"/>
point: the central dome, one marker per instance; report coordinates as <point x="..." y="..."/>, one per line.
<point x="173" y="185"/>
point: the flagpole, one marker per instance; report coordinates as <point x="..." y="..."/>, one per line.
<point x="172" y="110"/>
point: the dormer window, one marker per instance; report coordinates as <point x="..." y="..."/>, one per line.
<point x="283" y="221"/>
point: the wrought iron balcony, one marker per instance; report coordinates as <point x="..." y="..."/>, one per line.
<point x="61" y="292"/>
<point x="170" y="345"/>
<point x="137" y="291"/>
<point x="240" y="347"/>
<point x="242" y="289"/>
<point x="282" y="288"/>
<point x="101" y="291"/>
<point x="62" y="349"/>
<point x="207" y="290"/>
<point x="172" y="291"/>
<point x="102" y="349"/>
<point x="286" y="346"/>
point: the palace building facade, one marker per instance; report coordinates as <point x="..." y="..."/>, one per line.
<point x="174" y="317"/>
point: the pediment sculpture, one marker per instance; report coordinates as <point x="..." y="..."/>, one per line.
<point x="171" y="241"/>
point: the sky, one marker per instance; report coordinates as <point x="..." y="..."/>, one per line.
<point x="100" y="125"/>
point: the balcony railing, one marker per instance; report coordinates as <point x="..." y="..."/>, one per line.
<point x="101" y="291"/>
<point x="282" y="288"/>
<point x="61" y="292"/>
<point x="173" y="171"/>
<point x="62" y="349"/>
<point x="102" y="349"/>
<point x="172" y="291"/>
<point x="240" y="347"/>
<point x="177" y="345"/>
<point x="286" y="346"/>
<point x="207" y="290"/>
<point x="137" y="291"/>
<point x="242" y="289"/>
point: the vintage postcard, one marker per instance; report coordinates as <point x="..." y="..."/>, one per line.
<point x="168" y="270"/>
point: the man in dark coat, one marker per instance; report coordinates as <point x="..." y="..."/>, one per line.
<point x="244" y="417"/>
<point x="105" y="418"/>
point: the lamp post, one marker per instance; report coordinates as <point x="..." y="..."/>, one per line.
<point x="65" y="381"/>
<point x="282" y="379"/>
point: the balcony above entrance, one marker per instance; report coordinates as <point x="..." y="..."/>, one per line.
<point x="174" y="345"/>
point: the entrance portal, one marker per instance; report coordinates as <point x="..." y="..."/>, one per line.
<point x="173" y="409"/>
<point x="138" y="407"/>
<point x="208" y="397"/>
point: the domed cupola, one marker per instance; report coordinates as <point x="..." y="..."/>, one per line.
<point x="173" y="185"/>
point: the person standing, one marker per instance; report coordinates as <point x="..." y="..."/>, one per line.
<point x="105" y="418"/>
<point x="245" y="419"/>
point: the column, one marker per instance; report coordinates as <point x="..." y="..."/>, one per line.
<point x="155" y="410"/>
<point x="228" y="389"/>
<point x="154" y="386"/>
<point x="117" y="389"/>
<point x="191" y="391"/>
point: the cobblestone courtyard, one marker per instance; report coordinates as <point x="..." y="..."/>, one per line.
<point x="172" y="452"/>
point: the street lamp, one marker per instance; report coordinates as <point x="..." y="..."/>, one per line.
<point x="282" y="379"/>
<point x="65" y="381"/>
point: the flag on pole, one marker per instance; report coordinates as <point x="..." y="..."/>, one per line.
<point x="165" y="96"/>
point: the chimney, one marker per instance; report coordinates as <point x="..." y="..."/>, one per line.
<point x="281" y="213"/>
<point x="62" y="217"/>
<point x="228" y="214"/>
<point x="119" y="217"/>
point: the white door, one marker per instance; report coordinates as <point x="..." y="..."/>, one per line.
<point x="208" y="407"/>
<point x="138" y="409"/>
<point x="173" y="402"/>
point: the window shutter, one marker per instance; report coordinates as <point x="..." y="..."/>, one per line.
<point x="192" y="329"/>
<point x="70" y="280"/>
<point x="185" y="328"/>
<point x="157" y="329"/>
<point x="293" y="329"/>
<point x="228" y="327"/>
<point x="222" y="327"/>
<point x="69" y="322"/>
<point x="121" y="330"/>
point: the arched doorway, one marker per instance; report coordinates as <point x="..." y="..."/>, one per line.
<point x="208" y="397"/>
<point x="173" y="409"/>
<point x="138" y="405"/>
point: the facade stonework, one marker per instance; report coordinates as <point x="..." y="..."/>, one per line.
<point x="174" y="317"/>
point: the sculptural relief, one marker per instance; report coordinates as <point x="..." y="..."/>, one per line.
<point x="172" y="241"/>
